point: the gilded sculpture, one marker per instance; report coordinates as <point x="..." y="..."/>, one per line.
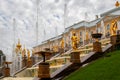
<point x="114" y="28"/>
<point x="18" y="47"/>
<point x="117" y="4"/>
<point x="74" y="41"/>
<point x="87" y="36"/>
<point x="55" y="48"/>
<point x="62" y="43"/>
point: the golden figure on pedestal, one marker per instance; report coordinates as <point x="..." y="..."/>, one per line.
<point x="62" y="43"/>
<point x="18" y="47"/>
<point x="117" y="4"/>
<point x="87" y="36"/>
<point x="114" y="28"/>
<point x="74" y="41"/>
<point x="7" y="69"/>
<point x="55" y="48"/>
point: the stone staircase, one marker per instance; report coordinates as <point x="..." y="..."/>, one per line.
<point x="66" y="69"/>
<point x="69" y="68"/>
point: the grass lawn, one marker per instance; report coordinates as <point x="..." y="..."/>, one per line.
<point x="105" y="68"/>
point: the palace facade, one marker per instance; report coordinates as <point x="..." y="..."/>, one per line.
<point x="83" y="30"/>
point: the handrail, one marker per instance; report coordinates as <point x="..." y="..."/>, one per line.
<point x="61" y="69"/>
<point x="19" y="71"/>
<point x="42" y="60"/>
<point x="87" y="56"/>
<point x="107" y="47"/>
<point x="54" y="56"/>
<point x="37" y="63"/>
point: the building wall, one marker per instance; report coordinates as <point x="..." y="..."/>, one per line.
<point x="108" y="24"/>
<point x="81" y="34"/>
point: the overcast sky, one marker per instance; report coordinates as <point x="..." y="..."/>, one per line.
<point x="51" y="18"/>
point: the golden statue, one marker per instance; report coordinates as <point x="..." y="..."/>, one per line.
<point x="55" y="48"/>
<point x="18" y="47"/>
<point x="62" y="43"/>
<point x="28" y="53"/>
<point x="117" y="4"/>
<point x="87" y="36"/>
<point x="74" y="41"/>
<point x="114" y="28"/>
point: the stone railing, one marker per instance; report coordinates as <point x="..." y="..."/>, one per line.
<point x="90" y="55"/>
<point x="61" y="69"/>
<point x="19" y="71"/>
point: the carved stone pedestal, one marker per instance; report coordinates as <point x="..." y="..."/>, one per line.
<point x="24" y="62"/>
<point x="75" y="57"/>
<point x="97" y="47"/>
<point x="115" y="41"/>
<point x="44" y="71"/>
<point x="7" y="69"/>
<point x="7" y="72"/>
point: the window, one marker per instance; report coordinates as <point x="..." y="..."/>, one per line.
<point x="98" y="30"/>
<point x="91" y="32"/>
<point x="108" y="27"/>
<point x="80" y="33"/>
<point x="101" y="29"/>
<point x="108" y="34"/>
<point x="80" y="39"/>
